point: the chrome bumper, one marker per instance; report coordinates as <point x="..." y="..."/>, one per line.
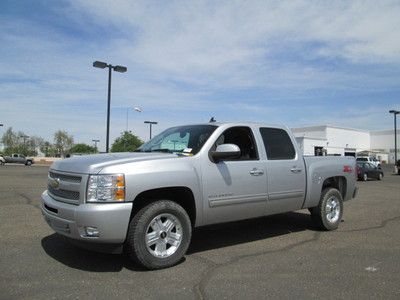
<point x="110" y="219"/>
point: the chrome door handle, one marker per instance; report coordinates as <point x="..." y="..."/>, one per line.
<point x="256" y="172"/>
<point x="295" y="170"/>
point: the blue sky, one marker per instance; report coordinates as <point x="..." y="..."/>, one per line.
<point x="297" y="63"/>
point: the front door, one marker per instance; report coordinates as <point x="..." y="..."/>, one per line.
<point x="234" y="189"/>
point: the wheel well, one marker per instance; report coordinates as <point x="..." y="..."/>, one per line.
<point x="181" y="195"/>
<point x="338" y="183"/>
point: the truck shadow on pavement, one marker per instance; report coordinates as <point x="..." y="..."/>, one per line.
<point x="234" y="233"/>
<point x="203" y="239"/>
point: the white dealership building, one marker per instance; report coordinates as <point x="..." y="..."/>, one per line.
<point x="333" y="140"/>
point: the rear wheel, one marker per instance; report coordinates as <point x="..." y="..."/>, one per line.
<point x="28" y="163"/>
<point x="328" y="214"/>
<point x="159" y="235"/>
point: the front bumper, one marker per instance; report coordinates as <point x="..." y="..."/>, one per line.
<point x="110" y="219"/>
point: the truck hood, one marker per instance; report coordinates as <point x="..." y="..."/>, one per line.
<point x="92" y="164"/>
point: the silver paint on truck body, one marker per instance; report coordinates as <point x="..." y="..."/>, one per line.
<point x="224" y="191"/>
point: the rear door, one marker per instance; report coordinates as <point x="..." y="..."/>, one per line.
<point x="285" y="171"/>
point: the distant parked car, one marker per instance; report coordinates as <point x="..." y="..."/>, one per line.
<point x="398" y="167"/>
<point x="369" y="159"/>
<point x="2" y="160"/>
<point x="368" y="170"/>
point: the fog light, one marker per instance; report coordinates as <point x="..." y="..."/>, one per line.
<point x="91" y="231"/>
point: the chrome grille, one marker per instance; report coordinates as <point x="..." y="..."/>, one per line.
<point x="64" y="193"/>
<point x="68" y="178"/>
<point x="65" y="187"/>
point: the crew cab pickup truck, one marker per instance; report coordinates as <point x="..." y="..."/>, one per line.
<point x="147" y="202"/>
<point x="19" y="159"/>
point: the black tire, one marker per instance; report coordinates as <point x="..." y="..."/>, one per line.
<point x="365" y="177"/>
<point x="319" y="214"/>
<point x="380" y="176"/>
<point x="28" y="163"/>
<point x="136" y="247"/>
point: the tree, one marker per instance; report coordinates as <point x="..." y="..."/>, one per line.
<point x="82" y="148"/>
<point x="126" y="142"/>
<point x="10" y="141"/>
<point x="19" y="142"/>
<point x="62" y="142"/>
<point x="33" y="144"/>
<point x="48" y="149"/>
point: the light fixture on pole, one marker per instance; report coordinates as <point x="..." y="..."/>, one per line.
<point x="150" y="123"/>
<point x="395" y="113"/>
<point x="137" y="109"/>
<point x="121" y="69"/>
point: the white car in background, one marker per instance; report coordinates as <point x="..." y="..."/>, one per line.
<point x="369" y="159"/>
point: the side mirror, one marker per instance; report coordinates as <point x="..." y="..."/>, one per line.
<point x="225" y="151"/>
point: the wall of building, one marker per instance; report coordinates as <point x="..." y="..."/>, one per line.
<point x="343" y="140"/>
<point x="384" y="141"/>
<point x="338" y="141"/>
<point x="307" y="145"/>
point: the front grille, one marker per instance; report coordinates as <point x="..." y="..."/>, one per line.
<point x="65" y="187"/>
<point x="68" y="178"/>
<point x="72" y="195"/>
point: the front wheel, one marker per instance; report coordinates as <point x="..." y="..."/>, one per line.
<point x="380" y="176"/>
<point x="328" y="214"/>
<point x="28" y="163"/>
<point x="159" y="235"/>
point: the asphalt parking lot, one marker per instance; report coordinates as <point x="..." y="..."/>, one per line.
<point x="281" y="256"/>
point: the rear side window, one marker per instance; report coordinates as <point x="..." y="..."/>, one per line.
<point x="277" y="144"/>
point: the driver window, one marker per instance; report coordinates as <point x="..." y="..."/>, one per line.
<point x="243" y="138"/>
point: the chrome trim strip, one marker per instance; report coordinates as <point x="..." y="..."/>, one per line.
<point x="285" y="195"/>
<point x="238" y="200"/>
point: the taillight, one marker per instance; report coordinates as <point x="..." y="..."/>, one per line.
<point x="347" y="169"/>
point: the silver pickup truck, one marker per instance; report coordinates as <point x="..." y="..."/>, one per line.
<point x="147" y="202"/>
<point x="18" y="159"/>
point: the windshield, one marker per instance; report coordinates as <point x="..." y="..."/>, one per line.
<point x="186" y="139"/>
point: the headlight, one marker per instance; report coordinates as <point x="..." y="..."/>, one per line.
<point x="106" y="188"/>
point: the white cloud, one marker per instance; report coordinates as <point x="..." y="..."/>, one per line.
<point x="187" y="61"/>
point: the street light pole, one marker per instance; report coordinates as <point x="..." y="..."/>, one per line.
<point x="108" y="109"/>
<point x="395" y="113"/>
<point x="150" y="123"/>
<point x="121" y="69"/>
<point x="95" y="143"/>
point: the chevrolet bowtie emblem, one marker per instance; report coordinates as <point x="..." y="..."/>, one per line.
<point x="54" y="182"/>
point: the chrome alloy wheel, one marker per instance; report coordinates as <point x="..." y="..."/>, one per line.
<point x="332" y="209"/>
<point x="163" y="235"/>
